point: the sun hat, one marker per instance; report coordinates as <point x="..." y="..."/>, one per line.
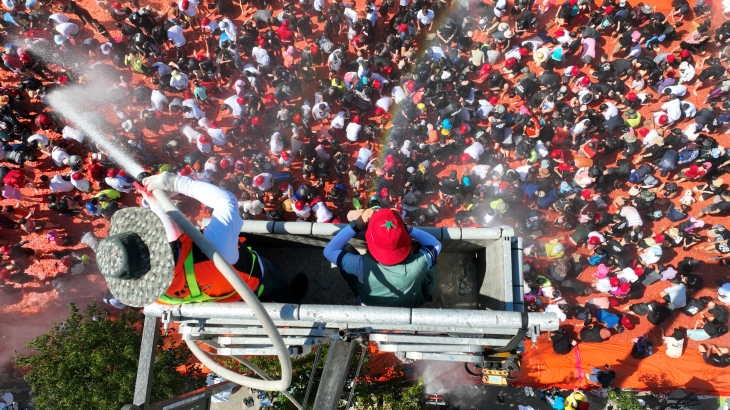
<point x="673" y="231"/>
<point x="136" y="259"/>
<point x="545" y="163"/>
<point x="503" y="26"/>
<point x="629" y="138"/>
<point x="106" y="48"/>
<point x="540" y="56"/>
<point x="646" y="9"/>
<point x="387" y="237"/>
<point x="176" y="75"/>
<point x="544" y="172"/>
<point x="508" y="34"/>
<point x="634" y="191"/>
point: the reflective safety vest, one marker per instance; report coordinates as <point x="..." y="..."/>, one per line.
<point x="197" y="281"/>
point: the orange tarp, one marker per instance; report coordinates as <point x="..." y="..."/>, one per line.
<point x="542" y="367"/>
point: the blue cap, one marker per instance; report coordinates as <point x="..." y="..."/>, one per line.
<point x="90" y="207"/>
<point x="446" y="124"/>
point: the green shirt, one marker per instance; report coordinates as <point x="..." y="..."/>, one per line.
<point x="409" y="284"/>
<point x="200" y="93"/>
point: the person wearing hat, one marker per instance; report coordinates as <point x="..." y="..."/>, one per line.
<point x="147" y="259"/>
<point x="389" y="274"/>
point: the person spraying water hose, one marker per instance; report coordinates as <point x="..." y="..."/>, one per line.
<point x="147" y="258"/>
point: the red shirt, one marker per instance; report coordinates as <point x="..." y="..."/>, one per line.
<point x="694" y="172"/>
<point x="14" y="178"/>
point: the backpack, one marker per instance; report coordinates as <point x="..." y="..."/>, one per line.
<point x="674" y="214"/>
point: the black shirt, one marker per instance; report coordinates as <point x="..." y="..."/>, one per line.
<point x="720" y="313"/>
<point x="621" y="65"/>
<point x="722" y="206"/>
<point x="561" y="343"/>
<point x="606" y="378"/>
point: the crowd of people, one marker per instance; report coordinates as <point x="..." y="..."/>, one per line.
<point x="584" y="126"/>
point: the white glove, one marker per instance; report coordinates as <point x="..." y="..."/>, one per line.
<point x="165" y="181"/>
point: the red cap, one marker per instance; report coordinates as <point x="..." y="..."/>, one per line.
<point x="356" y="119"/>
<point x="5" y="249"/>
<point x="574" y="71"/>
<point x="613" y="302"/>
<point x="522" y="51"/>
<point x="659" y="238"/>
<point x="256" y="120"/>
<point x="110" y="173"/>
<point x="564" y="167"/>
<point x="487" y="68"/>
<point x="638" y="270"/>
<point x="225" y="163"/>
<point x="624" y="287"/>
<point x="389" y="158"/>
<point x="377" y="84"/>
<point x="283" y="186"/>
<point x="200" y="56"/>
<point x="464" y="158"/>
<point x="556" y="153"/>
<point x="573" y="2"/>
<point x="463" y="129"/>
<point x="379" y="111"/>
<point x="185" y="4"/>
<point x="240" y="100"/>
<point x="299" y="205"/>
<point x="684" y="54"/>
<point x="631" y="96"/>
<point x="261" y="42"/>
<point x="121" y="173"/>
<point x="467" y="141"/>
<point x="297" y="118"/>
<point x="670" y="58"/>
<point x="384" y="192"/>
<point x="187" y="95"/>
<point x="204" y="139"/>
<point x="585" y="81"/>
<point x="388" y="70"/>
<point x="594" y="240"/>
<point x="117" y="5"/>
<point x="411" y="86"/>
<point x="670" y="73"/>
<point x="614" y="281"/>
<point x="387" y="237"/>
<point x="493" y="100"/>
<point x="608" y="9"/>
<point x="559" y="32"/>
<point x="204" y="21"/>
<point x="663" y="119"/>
<point x="585" y="194"/>
<point x="259" y="180"/>
<point x="76" y="176"/>
<point x="643" y="132"/>
<point x="186" y="171"/>
<point x="503" y="185"/>
<point x="510" y="62"/>
<point x="627" y="322"/>
<point x="285" y="155"/>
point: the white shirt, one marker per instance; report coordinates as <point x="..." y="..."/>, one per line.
<point x="69" y="133"/>
<point x="338" y="121"/>
<point x="323" y="214"/>
<point x="334" y="62"/>
<point x="352" y="131"/>
<point x="689" y="109"/>
<point x="158" y="100"/>
<point x="58" y="18"/>
<point x="350" y="16"/>
<point x="42" y="139"/>
<point x="673" y="109"/>
<point x="611" y="111"/>
<point x="484" y="109"/>
<point x="688" y="74"/>
<point x="190" y="133"/>
<point x="180" y="84"/>
<point x="118" y="184"/>
<point x="217" y="137"/>
<point x="304" y="213"/>
<point x="319" y="113"/>
<point x="268" y="182"/>
<point x="162" y="68"/>
<point x="236" y="108"/>
<point x="385" y="103"/>
<point x="195" y="112"/>
<point x="59" y="155"/>
<point x="481" y="171"/>
<point x="363" y="156"/>
<point x="679" y="90"/>
<point x="628" y="275"/>
<point x="82" y="184"/>
<point x="261" y="55"/>
<point x="275" y="145"/>
<point x="427" y="18"/>
<point x="192" y="8"/>
<point x="67" y="29"/>
<point x="58" y="184"/>
<point x="513" y="52"/>
<point x="175" y="34"/>
<point x="474" y="150"/>
<point x="398" y="94"/>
